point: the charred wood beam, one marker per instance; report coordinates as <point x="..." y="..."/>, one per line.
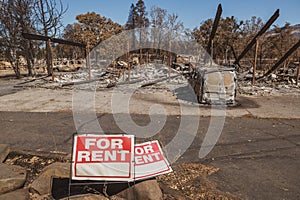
<point x="56" y="40"/>
<point x="282" y="59"/>
<point x="234" y="54"/>
<point x="262" y="31"/>
<point x="214" y="28"/>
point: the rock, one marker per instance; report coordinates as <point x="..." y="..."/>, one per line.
<point x="4" y="151"/>
<point x="145" y="190"/>
<point x="86" y="197"/>
<point x="43" y="184"/>
<point x="12" y="177"/>
<point x="21" y="194"/>
<point x="170" y="193"/>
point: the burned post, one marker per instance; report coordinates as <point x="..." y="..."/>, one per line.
<point x="214" y="29"/>
<point x="50" y="58"/>
<point x="261" y="32"/>
<point x="48" y="40"/>
<point x="128" y="58"/>
<point x="255" y="61"/>
<point x="282" y="59"/>
<point x="298" y="73"/>
<point x="87" y="60"/>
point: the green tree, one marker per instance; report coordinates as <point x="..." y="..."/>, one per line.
<point x="93" y="28"/>
<point x="131" y="23"/>
<point x="132" y="18"/>
<point x="142" y="19"/>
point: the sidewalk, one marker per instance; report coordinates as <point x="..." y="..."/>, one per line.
<point x="47" y="100"/>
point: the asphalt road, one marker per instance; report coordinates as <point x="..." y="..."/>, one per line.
<point x="258" y="158"/>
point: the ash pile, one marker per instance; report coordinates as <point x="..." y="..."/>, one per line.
<point x="152" y="76"/>
<point x="282" y="82"/>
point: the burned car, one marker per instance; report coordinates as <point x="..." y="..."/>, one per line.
<point x="215" y="85"/>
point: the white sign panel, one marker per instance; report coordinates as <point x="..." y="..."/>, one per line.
<point x="103" y="157"/>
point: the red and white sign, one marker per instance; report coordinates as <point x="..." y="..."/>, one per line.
<point x="149" y="160"/>
<point x="103" y="157"/>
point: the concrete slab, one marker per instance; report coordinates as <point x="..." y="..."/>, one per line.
<point x="48" y="100"/>
<point x="287" y="107"/>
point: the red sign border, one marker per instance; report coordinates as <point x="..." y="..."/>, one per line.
<point x="130" y="176"/>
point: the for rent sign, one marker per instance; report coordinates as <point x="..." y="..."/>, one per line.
<point x="149" y="160"/>
<point x="103" y="157"/>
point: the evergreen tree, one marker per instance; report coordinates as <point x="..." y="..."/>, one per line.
<point x="132" y="23"/>
<point x="132" y="18"/>
<point x="142" y="20"/>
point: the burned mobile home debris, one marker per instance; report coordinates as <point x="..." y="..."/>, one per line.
<point x="213" y="82"/>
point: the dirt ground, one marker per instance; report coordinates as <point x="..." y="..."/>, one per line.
<point x="188" y="180"/>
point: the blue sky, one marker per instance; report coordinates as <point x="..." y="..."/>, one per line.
<point x="192" y="12"/>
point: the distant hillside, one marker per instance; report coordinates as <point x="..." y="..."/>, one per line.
<point x="296" y="31"/>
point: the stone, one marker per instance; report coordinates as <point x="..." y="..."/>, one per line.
<point x="145" y="190"/>
<point x="4" y="151"/>
<point x="21" y="194"/>
<point x="43" y="184"/>
<point x="86" y="197"/>
<point x="12" y="177"/>
<point x="172" y="193"/>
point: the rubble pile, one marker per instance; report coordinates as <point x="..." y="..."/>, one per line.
<point x="282" y="83"/>
<point x="67" y="77"/>
<point x="154" y="76"/>
<point x="265" y="89"/>
<point x="161" y="78"/>
<point x="143" y="78"/>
